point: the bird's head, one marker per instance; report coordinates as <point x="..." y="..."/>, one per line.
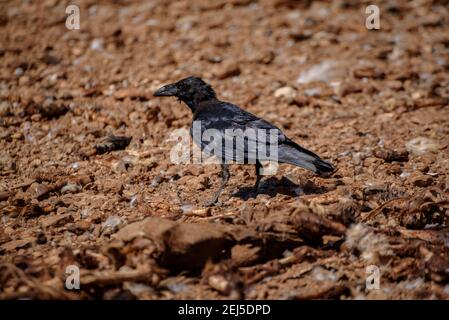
<point x="190" y="90"/>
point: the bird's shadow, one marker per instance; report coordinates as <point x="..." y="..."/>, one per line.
<point x="274" y="186"/>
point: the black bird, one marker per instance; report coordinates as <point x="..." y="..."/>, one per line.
<point x="221" y="116"/>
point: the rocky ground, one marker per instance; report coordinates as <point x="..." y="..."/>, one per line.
<point x="86" y="176"/>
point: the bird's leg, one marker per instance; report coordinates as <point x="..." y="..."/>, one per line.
<point x="258" y="176"/>
<point x="224" y="181"/>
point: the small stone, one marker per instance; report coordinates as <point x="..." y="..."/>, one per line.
<point x="404" y="175"/>
<point x="313" y="92"/>
<point x="18" y="72"/>
<point x="35" y="163"/>
<point x="80" y="227"/>
<point x="5" y="109"/>
<point x="17" y="244"/>
<point x="17" y="136"/>
<point x="50" y="59"/>
<point x="96" y="44"/>
<point x="111" y="185"/>
<point x="82" y="179"/>
<point x="123" y="165"/>
<point x="112" y="143"/>
<point x="201" y="212"/>
<point x="394" y="169"/>
<point x="190" y="245"/>
<point x="50" y="108"/>
<point x="140" y="289"/>
<point x="421" y="145"/>
<point x="186" y="208"/>
<point x="213" y="58"/>
<point x="262" y="57"/>
<point x="326" y="71"/>
<point x="371" y="188"/>
<point x="77" y="51"/>
<point x="156" y="181"/>
<point x="4" y="236"/>
<point x="220" y="284"/>
<point x="96" y="217"/>
<point x="227" y="70"/>
<point x="71" y="188"/>
<point x="23" y="80"/>
<point x="84" y="213"/>
<point x="347" y="89"/>
<point x="287" y="94"/>
<point x="4" y="195"/>
<point x="112" y="223"/>
<point x="56" y="220"/>
<point x="392" y="155"/>
<point x="32" y="211"/>
<point x="37" y="190"/>
<point x="421" y="180"/>
<point x="119" y="166"/>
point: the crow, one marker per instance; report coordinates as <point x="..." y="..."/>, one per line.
<point x="223" y="117"/>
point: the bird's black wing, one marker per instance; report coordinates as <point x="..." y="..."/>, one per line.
<point x="245" y="138"/>
<point x="286" y="149"/>
<point x="230" y="120"/>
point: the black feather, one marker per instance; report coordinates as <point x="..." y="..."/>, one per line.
<point x="219" y="115"/>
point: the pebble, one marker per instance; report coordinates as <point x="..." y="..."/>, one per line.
<point x="156" y="181"/>
<point x="84" y="213"/>
<point x="227" y="70"/>
<point x="421" y="180"/>
<point x="313" y="92"/>
<point x="16" y="244"/>
<point x="112" y="223"/>
<point x="186" y="208"/>
<point x="287" y="94"/>
<point x="97" y="44"/>
<point x="325" y="71"/>
<point x="56" y="220"/>
<point x="71" y="188"/>
<point x="421" y="145"/>
<point x="5" y="109"/>
<point x="80" y="227"/>
<point x="18" y="72"/>
<point x="31" y="211"/>
<point x="37" y="190"/>
<point x="23" y="80"/>
<point x="201" y="212"/>
<point x="219" y="283"/>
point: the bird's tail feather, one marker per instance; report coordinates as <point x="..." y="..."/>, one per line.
<point x="294" y="154"/>
<point x="323" y="167"/>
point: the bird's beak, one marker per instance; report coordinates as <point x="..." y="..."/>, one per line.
<point x="166" y="91"/>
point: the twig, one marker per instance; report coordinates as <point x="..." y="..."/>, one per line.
<point x="373" y="213"/>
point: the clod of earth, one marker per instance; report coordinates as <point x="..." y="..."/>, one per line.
<point x="113" y="143"/>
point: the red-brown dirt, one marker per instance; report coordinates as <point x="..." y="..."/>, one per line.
<point x="373" y="102"/>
